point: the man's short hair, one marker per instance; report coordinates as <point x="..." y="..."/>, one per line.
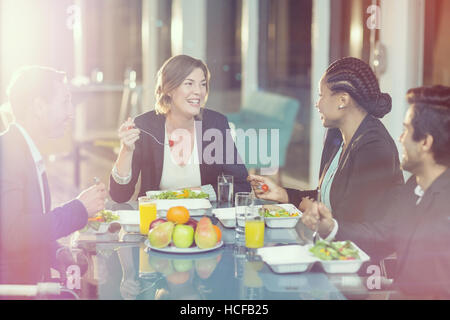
<point x="29" y="83"/>
<point x="431" y="106"/>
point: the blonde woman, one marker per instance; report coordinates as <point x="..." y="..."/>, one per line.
<point x="180" y="144"/>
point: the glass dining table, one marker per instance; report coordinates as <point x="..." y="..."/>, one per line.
<point x="120" y="266"/>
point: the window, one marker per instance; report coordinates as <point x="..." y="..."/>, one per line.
<point x="436" y="45"/>
<point x="284" y="68"/>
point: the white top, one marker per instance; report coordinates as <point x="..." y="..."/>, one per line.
<point x="175" y="176"/>
<point x="328" y="179"/>
<point x="38" y="160"/>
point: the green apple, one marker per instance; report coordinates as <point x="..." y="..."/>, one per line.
<point x="182" y="265"/>
<point x="183" y="236"/>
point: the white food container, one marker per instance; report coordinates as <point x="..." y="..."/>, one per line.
<point x="227" y="216"/>
<point x="345" y="266"/>
<point x="196" y="207"/>
<point x="287" y="259"/>
<point x="297" y="258"/>
<point x="129" y="220"/>
<point x="284" y="222"/>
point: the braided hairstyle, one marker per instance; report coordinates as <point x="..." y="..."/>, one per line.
<point x="355" y="77"/>
<point x="432" y="116"/>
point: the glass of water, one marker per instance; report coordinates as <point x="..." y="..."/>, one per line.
<point x="225" y="190"/>
<point x="241" y="201"/>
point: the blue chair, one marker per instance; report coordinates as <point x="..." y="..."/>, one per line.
<point x="264" y="110"/>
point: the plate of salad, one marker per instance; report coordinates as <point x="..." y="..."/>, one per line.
<point x="101" y="222"/>
<point x="280" y="216"/>
<point x="190" y="198"/>
<point x="177" y="194"/>
<point x="339" y="256"/>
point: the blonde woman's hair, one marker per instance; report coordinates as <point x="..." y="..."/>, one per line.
<point x="171" y="75"/>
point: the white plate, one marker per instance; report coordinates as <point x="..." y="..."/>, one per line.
<point x="173" y="249"/>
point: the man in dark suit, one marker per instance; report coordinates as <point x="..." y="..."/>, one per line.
<point x="417" y="225"/>
<point x="29" y="228"/>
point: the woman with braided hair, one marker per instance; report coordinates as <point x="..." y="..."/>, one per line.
<point x="360" y="162"/>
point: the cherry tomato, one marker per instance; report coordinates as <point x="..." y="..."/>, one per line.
<point x="265" y="187"/>
<point x="171" y="143"/>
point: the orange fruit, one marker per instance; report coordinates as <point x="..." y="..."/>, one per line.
<point x="218" y="232"/>
<point x="178" y="214"/>
<point x="178" y="277"/>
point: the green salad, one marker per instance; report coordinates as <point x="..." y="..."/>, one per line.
<point x="274" y="211"/>
<point x="104" y="216"/>
<point x="337" y="250"/>
<point x="183" y="194"/>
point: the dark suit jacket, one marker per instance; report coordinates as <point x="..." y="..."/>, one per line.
<point x="27" y="236"/>
<point x="368" y="169"/>
<point x="148" y="156"/>
<point x="418" y="234"/>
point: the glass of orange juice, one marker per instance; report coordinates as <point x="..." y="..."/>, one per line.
<point x="254" y="228"/>
<point x="147" y="213"/>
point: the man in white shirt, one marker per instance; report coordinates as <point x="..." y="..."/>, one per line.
<point x="29" y="228"/>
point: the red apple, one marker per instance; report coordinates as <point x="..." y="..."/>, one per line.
<point x="192" y="222"/>
<point x="156" y="222"/>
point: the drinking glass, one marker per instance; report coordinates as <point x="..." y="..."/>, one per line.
<point x="254" y="228"/>
<point x="225" y="190"/>
<point x="147" y="213"/>
<point x="241" y="201"/>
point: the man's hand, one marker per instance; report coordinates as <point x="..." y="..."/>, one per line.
<point x="93" y="199"/>
<point x="266" y="189"/>
<point x="318" y="213"/>
<point x="305" y="204"/>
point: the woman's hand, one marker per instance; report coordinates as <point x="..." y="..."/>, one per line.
<point x="128" y="135"/>
<point x="266" y="189"/>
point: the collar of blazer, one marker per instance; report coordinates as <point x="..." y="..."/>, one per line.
<point x="155" y="124"/>
<point x="336" y="141"/>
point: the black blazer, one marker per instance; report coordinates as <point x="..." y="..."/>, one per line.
<point x="27" y="236"/>
<point x="368" y="169"/>
<point x="418" y="234"/>
<point x="148" y="156"/>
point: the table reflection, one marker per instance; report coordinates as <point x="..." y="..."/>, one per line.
<point x="126" y="269"/>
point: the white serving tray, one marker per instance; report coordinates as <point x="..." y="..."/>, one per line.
<point x="297" y="258"/>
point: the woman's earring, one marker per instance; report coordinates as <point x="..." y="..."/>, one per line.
<point x="341" y="107"/>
